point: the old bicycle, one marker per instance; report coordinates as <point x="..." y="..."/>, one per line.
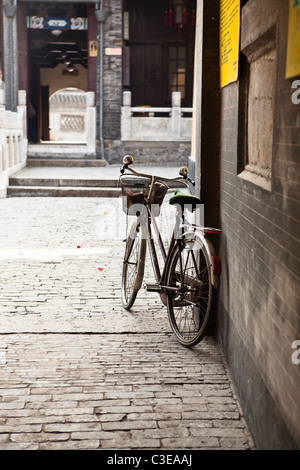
<point x="189" y="277"/>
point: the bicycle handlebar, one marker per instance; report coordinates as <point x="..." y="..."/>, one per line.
<point x="183" y="171"/>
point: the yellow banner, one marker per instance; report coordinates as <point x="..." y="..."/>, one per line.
<point x="229" y="41"/>
<point x="293" y="46"/>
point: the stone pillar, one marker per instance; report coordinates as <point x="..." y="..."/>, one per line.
<point x="101" y="16"/>
<point x="3" y="153"/>
<point x="2" y="99"/>
<point x="176" y="113"/>
<point x="10" y="53"/>
<point x="91" y="124"/>
<point x="22" y="111"/>
<point x="126" y="115"/>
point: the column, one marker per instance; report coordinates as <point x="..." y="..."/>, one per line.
<point x="10" y="53"/>
<point x="176" y="113"/>
<point x="126" y="115"/>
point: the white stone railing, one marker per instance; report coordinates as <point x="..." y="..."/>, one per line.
<point x="13" y="139"/>
<point x="140" y="123"/>
<point x="91" y="123"/>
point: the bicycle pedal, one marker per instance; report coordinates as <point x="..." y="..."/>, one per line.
<point x="152" y="288"/>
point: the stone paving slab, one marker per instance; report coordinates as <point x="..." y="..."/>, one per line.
<point x="77" y="370"/>
<point x="115" y="391"/>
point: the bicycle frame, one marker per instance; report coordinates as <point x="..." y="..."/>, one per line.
<point x="152" y="222"/>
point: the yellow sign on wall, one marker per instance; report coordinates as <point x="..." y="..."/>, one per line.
<point x="93" y="48"/>
<point x="229" y="41"/>
<point x="293" y="46"/>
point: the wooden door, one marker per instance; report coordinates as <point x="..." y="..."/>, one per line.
<point x="146" y="74"/>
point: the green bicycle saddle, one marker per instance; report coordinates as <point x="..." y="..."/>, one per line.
<point x="183" y="199"/>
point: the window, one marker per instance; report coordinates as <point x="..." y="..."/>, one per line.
<point x="177" y="70"/>
<point x="257" y="92"/>
<point x="261" y="114"/>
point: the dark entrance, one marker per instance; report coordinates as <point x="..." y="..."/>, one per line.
<point x="53" y="54"/>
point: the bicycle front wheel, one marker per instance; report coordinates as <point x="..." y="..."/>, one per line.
<point x="133" y="265"/>
<point x="191" y="292"/>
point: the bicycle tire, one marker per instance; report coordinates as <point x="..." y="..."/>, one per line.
<point x="133" y="265"/>
<point x="190" y="305"/>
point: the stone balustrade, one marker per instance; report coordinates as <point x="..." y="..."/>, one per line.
<point x="142" y="123"/>
<point x="13" y="139"/>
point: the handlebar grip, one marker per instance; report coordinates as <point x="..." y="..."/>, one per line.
<point x="183" y="171"/>
<point x="128" y="160"/>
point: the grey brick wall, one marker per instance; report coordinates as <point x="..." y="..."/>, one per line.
<point x="259" y="298"/>
<point x="149" y="153"/>
<point x="112" y="71"/>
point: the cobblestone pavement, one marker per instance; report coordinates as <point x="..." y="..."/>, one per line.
<point x="77" y="370"/>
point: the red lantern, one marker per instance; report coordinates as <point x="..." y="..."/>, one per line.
<point x="170" y="18"/>
<point x="178" y="15"/>
<point x="166" y="18"/>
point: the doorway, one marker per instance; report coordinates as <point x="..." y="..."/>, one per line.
<point x="57" y="57"/>
<point x="54" y="64"/>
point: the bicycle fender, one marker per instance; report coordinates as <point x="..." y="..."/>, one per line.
<point x="203" y="241"/>
<point x="141" y="263"/>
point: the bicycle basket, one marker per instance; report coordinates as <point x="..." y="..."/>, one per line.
<point x="134" y="191"/>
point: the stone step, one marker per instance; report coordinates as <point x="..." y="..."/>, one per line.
<point x="60" y="150"/>
<point x="61" y="191"/>
<point x="62" y="162"/>
<point x="63" y="182"/>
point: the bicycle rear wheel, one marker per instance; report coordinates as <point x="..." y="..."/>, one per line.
<point x="191" y="295"/>
<point x="133" y="265"/>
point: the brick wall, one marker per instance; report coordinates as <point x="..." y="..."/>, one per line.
<point x="112" y="71"/>
<point x="259" y="297"/>
<point x="149" y="153"/>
